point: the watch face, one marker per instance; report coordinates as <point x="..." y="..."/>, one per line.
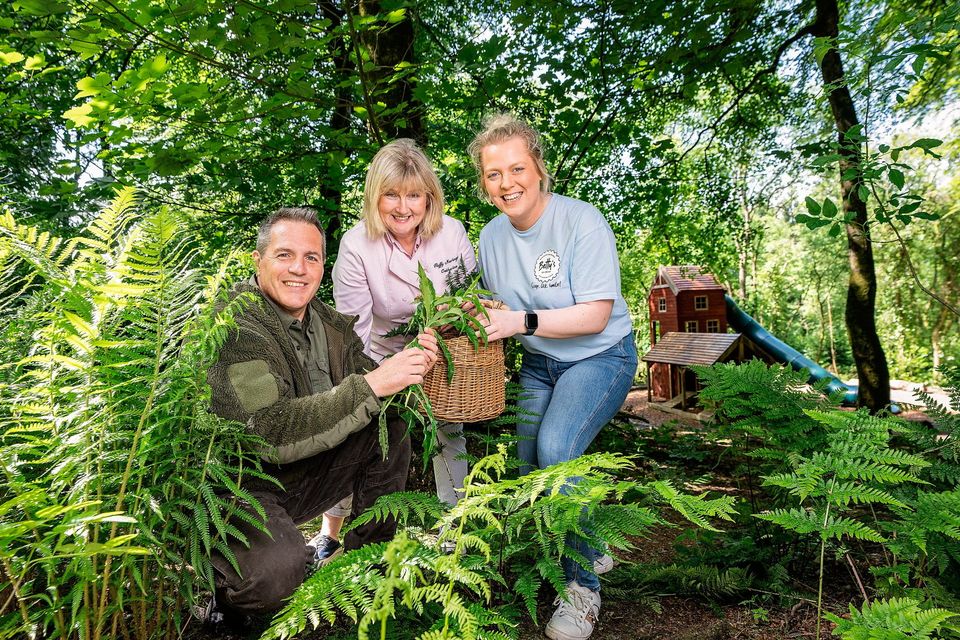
<point x="530" y="322"/>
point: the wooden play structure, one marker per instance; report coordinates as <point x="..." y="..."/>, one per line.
<point x="688" y="326"/>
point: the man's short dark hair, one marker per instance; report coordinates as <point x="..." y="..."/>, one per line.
<point x="294" y="214"/>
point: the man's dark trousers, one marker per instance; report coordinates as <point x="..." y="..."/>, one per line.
<point x="272" y="568"/>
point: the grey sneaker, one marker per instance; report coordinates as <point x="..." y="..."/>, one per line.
<point x="576" y="614"/>
<point x="208" y="613"/>
<point x="325" y="549"/>
<point x="603" y="564"/>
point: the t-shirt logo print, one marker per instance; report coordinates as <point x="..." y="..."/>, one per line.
<point x="547" y="266"/>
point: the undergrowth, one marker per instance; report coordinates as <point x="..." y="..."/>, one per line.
<point x="509" y="536"/>
<point x="115" y="482"/>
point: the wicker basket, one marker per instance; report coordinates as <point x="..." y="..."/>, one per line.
<point x="477" y="390"/>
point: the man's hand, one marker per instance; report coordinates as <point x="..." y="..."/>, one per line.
<point x="407" y="367"/>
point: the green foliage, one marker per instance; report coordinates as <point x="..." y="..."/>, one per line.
<point x="924" y="535"/>
<point x="508" y="535"/>
<point x="857" y="467"/>
<point x="940" y="439"/>
<point x="645" y="584"/>
<point x="880" y="178"/>
<point x="864" y="480"/>
<point x="895" y="619"/>
<point x="439" y="314"/>
<point x="763" y="408"/>
<point x="117" y="483"/>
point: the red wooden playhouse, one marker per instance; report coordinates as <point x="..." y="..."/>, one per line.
<point x="689" y="319"/>
<point x="688" y="325"/>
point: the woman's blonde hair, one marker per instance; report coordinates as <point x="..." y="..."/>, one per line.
<point x="401" y="165"/>
<point x="499" y="128"/>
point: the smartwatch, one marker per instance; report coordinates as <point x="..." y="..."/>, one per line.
<point x="530" y="322"/>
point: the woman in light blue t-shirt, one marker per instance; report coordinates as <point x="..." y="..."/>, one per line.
<point x="553" y="261"/>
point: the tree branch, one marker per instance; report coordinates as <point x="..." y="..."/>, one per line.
<point x="742" y="93"/>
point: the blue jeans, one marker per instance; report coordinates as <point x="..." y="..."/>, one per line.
<point x="570" y="403"/>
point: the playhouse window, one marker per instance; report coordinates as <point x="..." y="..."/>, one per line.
<point x="656" y="331"/>
<point x="690" y="326"/>
<point x="662" y="305"/>
<point x="713" y="326"/>
<point x="700" y="303"/>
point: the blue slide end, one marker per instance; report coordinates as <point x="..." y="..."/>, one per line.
<point x="744" y="323"/>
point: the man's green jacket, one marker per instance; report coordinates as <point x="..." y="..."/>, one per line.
<point x="258" y="380"/>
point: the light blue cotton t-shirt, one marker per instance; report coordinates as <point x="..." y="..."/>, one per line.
<point x="568" y="256"/>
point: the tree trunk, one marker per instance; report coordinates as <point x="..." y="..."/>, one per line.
<point x="744" y="241"/>
<point x="874" y="377"/>
<point x="833" y="342"/>
<point x="389" y="45"/>
<point x="818" y="292"/>
<point x="331" y="190"/>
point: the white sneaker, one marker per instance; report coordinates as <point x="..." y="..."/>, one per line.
<point x="603" y="564"/>
<point x="576" y="615"/>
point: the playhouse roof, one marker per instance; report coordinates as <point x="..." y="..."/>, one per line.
<point x="684" y="277"/>
<point x="692" y="348"/>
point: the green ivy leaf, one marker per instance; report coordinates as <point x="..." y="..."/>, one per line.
<point x="896" y="177"/>
<point x="10" y="57"/>
<point x="80" y="115"/>
<point x="829" y="208"/>
<point x="812" y="206"/>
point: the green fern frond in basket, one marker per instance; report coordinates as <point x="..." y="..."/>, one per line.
<point x="434" y="312"/>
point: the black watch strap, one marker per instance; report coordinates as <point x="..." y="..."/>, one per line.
<point x="530" y="322"/>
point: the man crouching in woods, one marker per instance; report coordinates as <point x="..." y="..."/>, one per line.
<point x="295" y="373"/>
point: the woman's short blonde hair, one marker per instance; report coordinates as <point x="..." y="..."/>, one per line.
<point x="499" y="128"/>
<point x="401" y="165"/>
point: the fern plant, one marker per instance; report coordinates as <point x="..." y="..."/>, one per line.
<point x="762" y="409"/>
<point x="895" y="619"/>
<point x="509" y="536"/>
<point x="759" y="422"/>
<point x="115" y="482"/>
<point x="924" y="539"/>
<point x="645" y="584"/>
<point x="857" y="467"/>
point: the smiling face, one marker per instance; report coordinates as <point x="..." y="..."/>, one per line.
<point x="402" y="210"/>
<point x="512" y="180"/>
<point x="290" y="268"/>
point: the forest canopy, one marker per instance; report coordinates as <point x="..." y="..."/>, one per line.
<point x="699" y="129"/>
